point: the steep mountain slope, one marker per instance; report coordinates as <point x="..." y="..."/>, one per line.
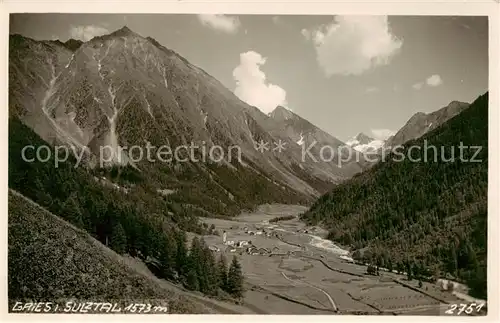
<point x="121" y="90"/>
<point x="300" y="131"/>
<point x="425" y="217"/>
<point x="421" y="123"/>
<point x="365" y="143"/>
<point x="51" y="260"/>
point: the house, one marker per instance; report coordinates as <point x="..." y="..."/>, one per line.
<point x="214" y="248"/>
<point x="242" y="243"/>
<point x="230" y="243"/>
<point x="446" y="284"/>
<point x="263" y="251"/>
<point x="258" y="232"/>
<point x="252" y="251"/>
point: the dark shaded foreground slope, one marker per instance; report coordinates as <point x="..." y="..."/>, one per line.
<point x="51" y="260"/>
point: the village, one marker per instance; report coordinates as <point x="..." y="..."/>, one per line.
<point x="247" y="245"/>
<point x="291" y="268"/>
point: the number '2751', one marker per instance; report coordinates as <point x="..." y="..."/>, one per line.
<point x="458" y="309"/>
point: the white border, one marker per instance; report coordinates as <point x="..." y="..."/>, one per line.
<point x="490" y="8"/>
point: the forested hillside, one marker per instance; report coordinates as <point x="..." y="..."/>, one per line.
<point x="428" y="219"/>
<point x="129" y="217"/>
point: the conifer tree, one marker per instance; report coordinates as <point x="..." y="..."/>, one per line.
<point x="222" y="272"/>
<point x="118" y="241"/>
<point x="181" y="255"/>
<point x="192" y="279"/>
<point x="196" y="265"/>
<point x="71" y="211"/>
<point x="210" y="270"/>
<point x="42" y="196"/>
<point x="167" y="258"/>
<point x="235" y="279"/>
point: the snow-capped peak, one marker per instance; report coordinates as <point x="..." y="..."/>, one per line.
<point x="364" y="143"/>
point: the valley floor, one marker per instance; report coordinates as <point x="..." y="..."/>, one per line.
<point x="293" y="270"/>
<point x="288" y="267"/>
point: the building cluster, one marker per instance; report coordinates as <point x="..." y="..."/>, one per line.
<point x="255" y="251"/>
<point x="238" y="244"/>
<point x="259" y="232"/>
<point x="246" y="246"/>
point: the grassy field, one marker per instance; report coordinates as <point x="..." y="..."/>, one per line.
<point x="305" y="272"/>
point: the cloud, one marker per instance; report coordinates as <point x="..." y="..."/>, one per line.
<point x="372" y="89"/>
<point x="351" y="45"/>
<point x="251" y="85"/>
<point x="306" y="33"/>
<point x="221" y="22"/>
<point x="434" y="80"/>
<point x="88" y="32"/>
<point x="418" y="86"/>
<point x="382" y="134"/>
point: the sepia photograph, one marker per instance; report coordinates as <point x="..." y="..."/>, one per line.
<point x="300" y="164"/>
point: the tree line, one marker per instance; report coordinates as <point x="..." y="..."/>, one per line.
<point x="428" y="219"/>
<point x="281" y="218"/>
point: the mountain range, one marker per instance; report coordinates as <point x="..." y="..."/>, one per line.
<point x="122" y="89"/>
<point x="418" y="125"/>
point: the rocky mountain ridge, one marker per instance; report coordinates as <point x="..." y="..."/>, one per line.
<point x="122" y="90"/>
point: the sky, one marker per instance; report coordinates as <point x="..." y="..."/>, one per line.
<point x="345" y="74"/>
